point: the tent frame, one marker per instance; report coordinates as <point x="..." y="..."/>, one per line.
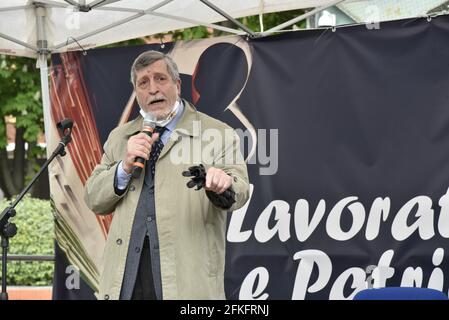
<point x="80" y="5"/>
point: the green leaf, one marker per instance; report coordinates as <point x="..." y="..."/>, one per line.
<point x="35" y="236"/>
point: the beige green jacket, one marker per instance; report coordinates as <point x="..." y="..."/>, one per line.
<point x="191" y="230"/>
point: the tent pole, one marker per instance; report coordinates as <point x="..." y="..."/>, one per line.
<point x="50" y="4"/>
<point x="43" y="66"/>
<point x="301" y="17"/>
<point x="16" y="8"/>
<point x="227" y="16"/>
<point x="261" y="11"/>
<point x="100" y="3"/>
<point x="24" y="44"/>
<point x="72" y="3"/>
<point x="42" y="61"/>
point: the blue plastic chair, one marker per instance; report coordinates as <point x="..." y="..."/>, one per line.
<point x="400" y="293"/>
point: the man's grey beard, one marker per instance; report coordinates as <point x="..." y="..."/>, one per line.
<point x="165" y="118"/>
<point x="156" y="115"/>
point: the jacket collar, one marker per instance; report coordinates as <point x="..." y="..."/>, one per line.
<point x="133" y="127"/>
<point x="189" y="121"/>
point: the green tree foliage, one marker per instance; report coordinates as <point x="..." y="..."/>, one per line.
<point x="20" y="97"/>
<point x="35" y="236"/>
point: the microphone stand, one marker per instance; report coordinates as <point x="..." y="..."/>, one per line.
<point x="8" y="229"/>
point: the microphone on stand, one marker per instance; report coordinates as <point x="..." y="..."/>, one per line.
<point x="148" y="126"/>
<point x="65" y="128"/>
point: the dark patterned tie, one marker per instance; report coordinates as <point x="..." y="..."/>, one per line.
<point x="156" y="149"/>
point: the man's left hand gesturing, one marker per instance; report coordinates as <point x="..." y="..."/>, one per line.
<point x="217" y="180"/>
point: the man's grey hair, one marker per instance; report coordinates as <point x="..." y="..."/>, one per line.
<point x="150" y="57"/>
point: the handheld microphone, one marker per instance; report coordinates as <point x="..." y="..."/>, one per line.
<point x="148" y="126"/>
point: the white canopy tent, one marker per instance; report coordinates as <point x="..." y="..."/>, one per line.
<point x="38" y="28"/>
<point x="98" y="22"/>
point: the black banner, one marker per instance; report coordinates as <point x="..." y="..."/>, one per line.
<point x="350" y="172"/>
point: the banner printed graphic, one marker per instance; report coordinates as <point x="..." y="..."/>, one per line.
<point x="346" y="137"/>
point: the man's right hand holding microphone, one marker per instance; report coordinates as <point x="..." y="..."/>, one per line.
<point x="138" y="146"/>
